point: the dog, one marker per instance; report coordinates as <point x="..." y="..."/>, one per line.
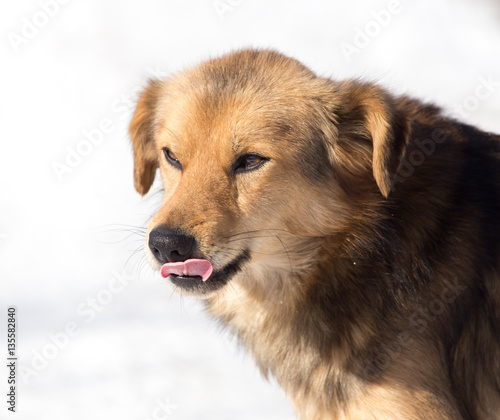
<point x="348" y="237"/>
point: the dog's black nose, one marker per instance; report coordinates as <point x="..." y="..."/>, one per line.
<point x="168" y="245"/>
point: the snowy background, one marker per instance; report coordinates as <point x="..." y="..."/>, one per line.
<point x="100" y="336"/>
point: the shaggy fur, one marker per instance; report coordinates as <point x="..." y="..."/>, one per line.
<point x="367" y="273"/>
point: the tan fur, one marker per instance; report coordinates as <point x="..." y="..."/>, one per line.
<point x="368" y="293"/>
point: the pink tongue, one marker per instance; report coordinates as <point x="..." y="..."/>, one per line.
<point x="193" y="267"/>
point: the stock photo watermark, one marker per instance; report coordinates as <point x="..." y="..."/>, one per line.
<point x="416" y="157"/>
<point x="75" y="155"/>
<point x="223" y="7"/>
<point x="363" y="37"/>
<point x="122" y="108"/>
<point x="87" y="311"/>
<point x="424" y="148"/>
<point x="31" y="26"/>
<point x="163" y="409"/>
<point x="483" y="91"/>
<point x="12" y="359"/>
<point x="419" y="321"/>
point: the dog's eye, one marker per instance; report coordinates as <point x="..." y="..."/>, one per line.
<point x="171" y="158"/>
<point x="248" y="162"/>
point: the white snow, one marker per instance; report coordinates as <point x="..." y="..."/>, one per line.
<point x="138" y="350"/>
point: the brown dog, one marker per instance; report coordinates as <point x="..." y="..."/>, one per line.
<point x="348" y="237"/>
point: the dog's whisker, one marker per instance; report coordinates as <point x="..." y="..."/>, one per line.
<point x="251" y="237"/>
<point x="135" y="253"/>
<point x="236" y="252"/>
<point x="243" y="303"/>
<point x="259" y="231"/>
<point x="120" y="228"/>
<point x="127" y="231"/>
<point x="143" y="265"/>
<point x="121" y="225"/>
<point x="287" y="254"/>
<point x="125" y="239"/>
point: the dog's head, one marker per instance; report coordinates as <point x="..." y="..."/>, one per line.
<point x="259" y="158"/>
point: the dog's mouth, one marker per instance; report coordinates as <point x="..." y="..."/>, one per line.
<point x="198" y="277"/>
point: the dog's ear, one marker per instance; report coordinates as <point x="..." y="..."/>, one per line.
<point x="366" y="111"/>
<point x="142" y="134"/>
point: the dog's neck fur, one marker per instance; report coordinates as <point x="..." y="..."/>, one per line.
<point x="299" y="337"/>
<point x="313" y="341"/>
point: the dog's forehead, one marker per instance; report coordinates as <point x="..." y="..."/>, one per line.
<point x="203" y="116"/>
<point x="229" y="102"/>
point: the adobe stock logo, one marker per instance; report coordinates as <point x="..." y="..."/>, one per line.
<point x="122" y="107"/>
<point x="483" y="91"/>
<point x="222" y="7"/>
<point x="58" y="341"/>
<point x="163" y="409"/>
<point x="75" y="156"/>
<point x="372" y="29"/>
<point x="30" y="27"/>
<point x="417" y="156"/>
<point x="424" y="148"/>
